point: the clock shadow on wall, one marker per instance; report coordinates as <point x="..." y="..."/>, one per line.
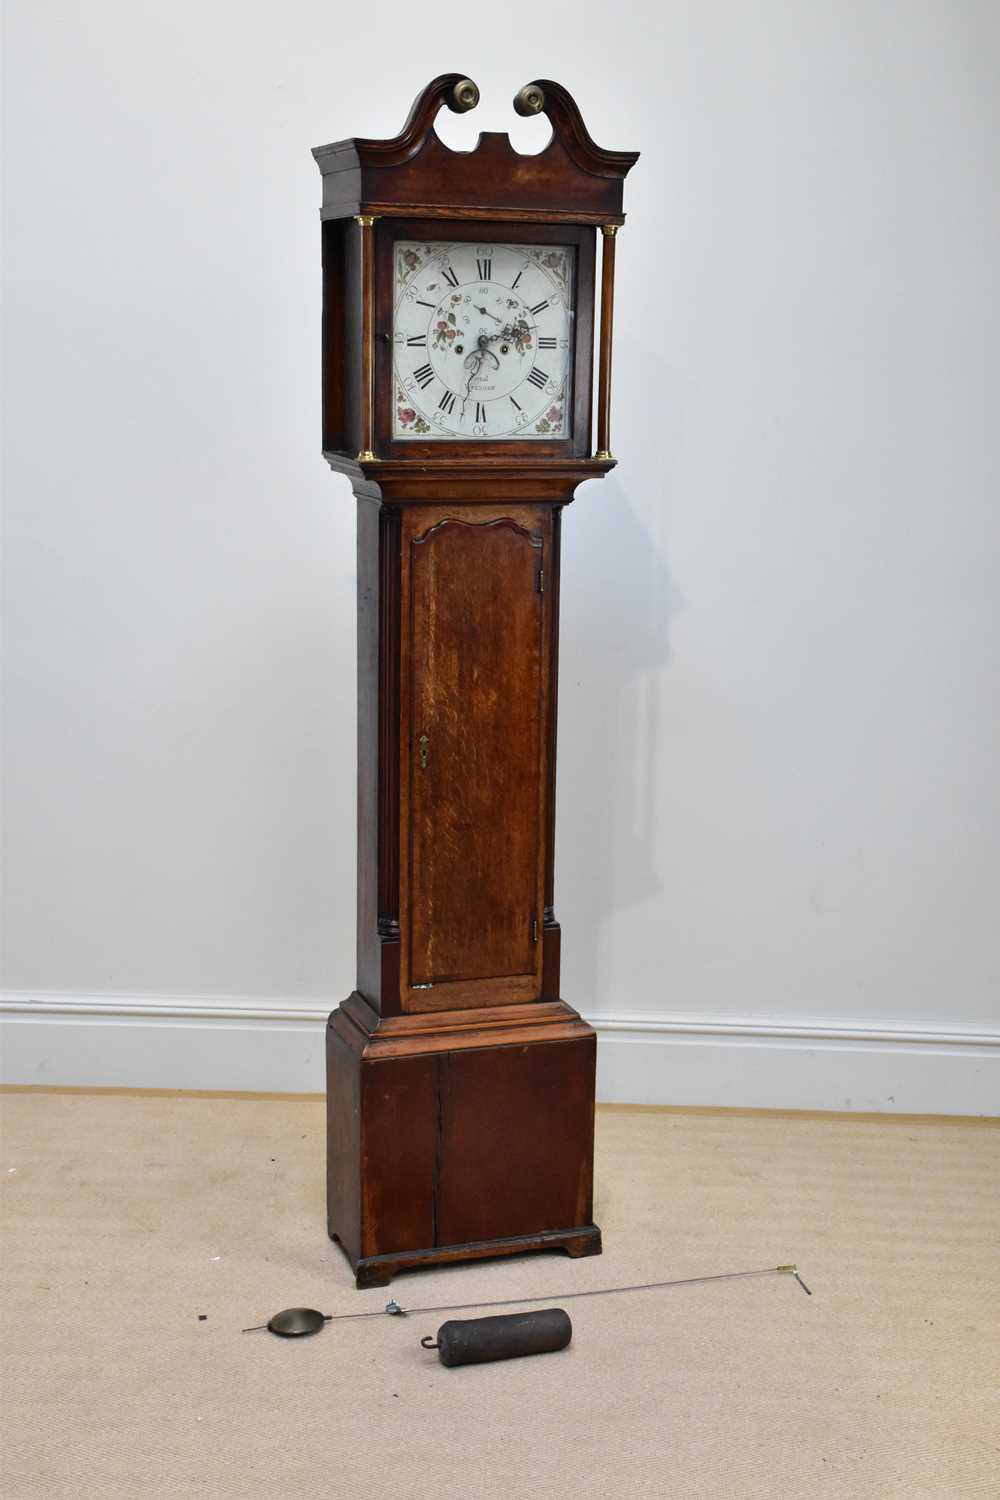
<point x="619" y="602"/>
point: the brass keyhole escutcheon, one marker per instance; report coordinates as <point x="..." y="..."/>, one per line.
<point x="425" y="746"/>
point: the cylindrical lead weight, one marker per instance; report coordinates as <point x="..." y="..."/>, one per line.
<point x="476" y="1341"/>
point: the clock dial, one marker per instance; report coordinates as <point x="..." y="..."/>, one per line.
<point x="483" y="340"/>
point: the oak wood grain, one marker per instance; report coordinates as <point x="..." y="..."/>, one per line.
<point x="474" y="667"/>
<point x="475" y="752"/>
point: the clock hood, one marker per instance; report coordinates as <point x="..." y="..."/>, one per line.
<point x="572" y="180"/>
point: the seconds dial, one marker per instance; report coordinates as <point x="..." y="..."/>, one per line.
<point x="482" y="340"/>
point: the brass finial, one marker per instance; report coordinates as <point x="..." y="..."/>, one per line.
<point x="464" y="96"/>
<point x="530" y="100"/>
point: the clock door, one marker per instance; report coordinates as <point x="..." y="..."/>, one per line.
<point x="475" y="764"/>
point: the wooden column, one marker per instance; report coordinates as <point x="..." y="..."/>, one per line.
<point x="367" y="456"/>
<point x="609" y="232"/>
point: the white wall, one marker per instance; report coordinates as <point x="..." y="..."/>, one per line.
<point x="778" y="791"/>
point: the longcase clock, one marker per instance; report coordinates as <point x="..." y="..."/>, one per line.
<point x="458" y="358"/>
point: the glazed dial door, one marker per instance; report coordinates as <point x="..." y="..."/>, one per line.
<point x="483" y="341"/>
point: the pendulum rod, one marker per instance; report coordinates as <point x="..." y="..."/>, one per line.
<point x="394" y="1309"/>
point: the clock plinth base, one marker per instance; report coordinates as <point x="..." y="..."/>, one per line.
<point x="379" y="1270"/>
<point x="459" y="1135"/>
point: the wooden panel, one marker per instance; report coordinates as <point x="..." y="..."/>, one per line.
<point x="388" y="723"/>
<point x="369" y="534"/>
<point x="551" y="933"/>
<point x="399" y="1154"/>
<point x="476" y="718"/>
<point x="517" y="1131"/>
<point x="333" y="334"/>
<point x="435" y="1152"/>
<point x="343" y="1136"/>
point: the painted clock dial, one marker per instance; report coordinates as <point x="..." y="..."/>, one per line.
<point x="483" y="341"/>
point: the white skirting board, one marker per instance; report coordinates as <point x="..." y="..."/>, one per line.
<point x="103" y="1041"/>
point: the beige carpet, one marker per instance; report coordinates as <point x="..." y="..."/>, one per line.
<point x="127" y="1217"/>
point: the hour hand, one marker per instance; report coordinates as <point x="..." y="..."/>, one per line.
<point x="481" y="353"/>
<point x="475" y="357"/>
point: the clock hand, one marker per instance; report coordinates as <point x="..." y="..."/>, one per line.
<point x="475" y="359"/>
<point x="480" y="353"/>
<point x="473" y="363"/>
<point x="506" y="332"/>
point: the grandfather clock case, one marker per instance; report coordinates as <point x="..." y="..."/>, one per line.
<point x="458" y="358"/>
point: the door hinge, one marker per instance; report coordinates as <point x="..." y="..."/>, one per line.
<point x="541" y="580"/>
<point x="534" y="929"/>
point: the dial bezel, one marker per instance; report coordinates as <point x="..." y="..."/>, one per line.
<point x="579" y="237"/>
